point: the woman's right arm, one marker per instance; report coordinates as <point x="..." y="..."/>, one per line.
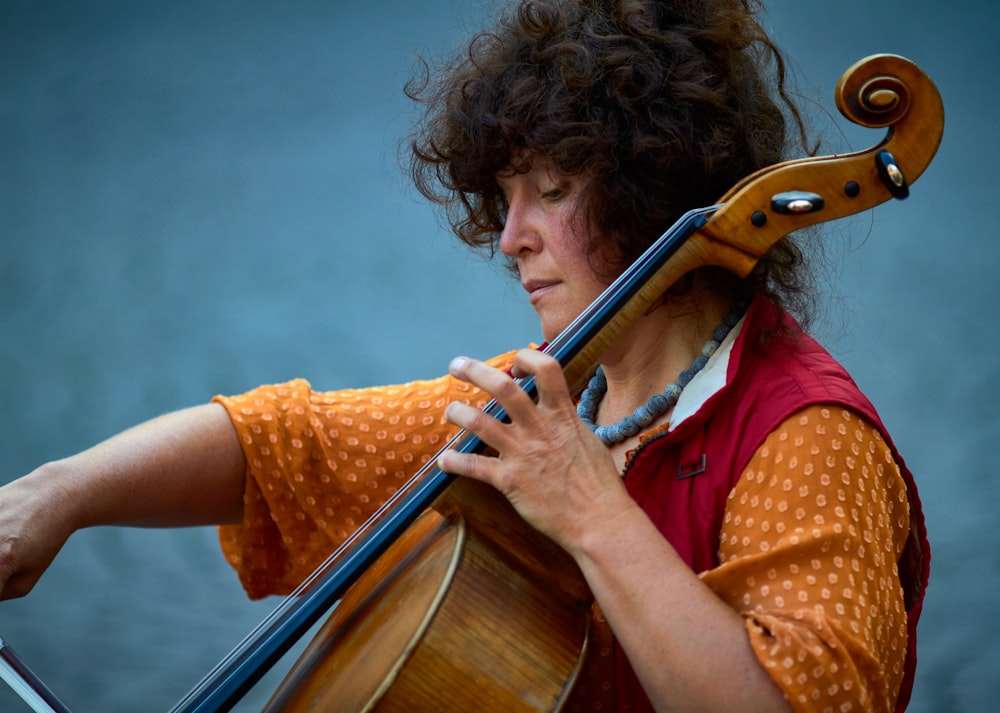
<point x="182" y="469"/>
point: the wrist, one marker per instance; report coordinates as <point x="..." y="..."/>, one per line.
<point x="52" y="499"/>
<point x="603" y="538"/>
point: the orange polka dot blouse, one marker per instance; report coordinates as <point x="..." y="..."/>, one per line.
<point x="809" y="544"/>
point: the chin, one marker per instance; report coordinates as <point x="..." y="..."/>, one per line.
<point x="551" y="330"/>
<point x="554" y="322"/>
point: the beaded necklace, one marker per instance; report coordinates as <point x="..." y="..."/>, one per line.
<point x="657" y="404"/>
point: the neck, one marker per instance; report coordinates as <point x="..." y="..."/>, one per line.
<point x="655" y="351"/>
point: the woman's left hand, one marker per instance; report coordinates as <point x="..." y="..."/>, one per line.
<point x="552" y="468"/>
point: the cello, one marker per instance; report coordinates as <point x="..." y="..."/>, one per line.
<point x="425" y="539"/>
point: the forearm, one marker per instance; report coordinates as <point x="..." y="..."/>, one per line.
<point x="183" y="468"/>
<point x="689" y="649"/>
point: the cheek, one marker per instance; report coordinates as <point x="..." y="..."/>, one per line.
<point x="593" y="275"/>
<point x="589" y="254"/>
<point x="606" y="260"/>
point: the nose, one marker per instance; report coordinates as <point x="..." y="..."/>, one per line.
<point x="520" y="232"/>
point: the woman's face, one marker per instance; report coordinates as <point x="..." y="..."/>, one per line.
<point x="548" y="238"/>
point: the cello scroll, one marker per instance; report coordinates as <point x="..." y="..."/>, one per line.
<point x="881" y="91"/>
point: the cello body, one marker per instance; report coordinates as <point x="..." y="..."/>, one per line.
<point x="449" y="620"/>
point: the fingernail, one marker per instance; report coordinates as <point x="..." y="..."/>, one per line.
<point x="457" y="364"/>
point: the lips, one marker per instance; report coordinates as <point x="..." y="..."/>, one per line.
<point x="537" y="288"/>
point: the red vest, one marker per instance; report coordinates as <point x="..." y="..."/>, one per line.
<point x="682" y="478"/>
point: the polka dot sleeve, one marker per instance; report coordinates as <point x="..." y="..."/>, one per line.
<point x="320" y="463"/>
<point x="808" y="553"/>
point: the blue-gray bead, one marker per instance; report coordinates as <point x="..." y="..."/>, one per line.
<point x="656" y="405"/>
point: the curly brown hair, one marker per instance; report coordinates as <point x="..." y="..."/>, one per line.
<point x="662" y="105"/>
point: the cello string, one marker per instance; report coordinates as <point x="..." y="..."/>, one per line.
<point x="239" y="670"/>
<point x="26" y="684"/>
<point x="579" y="331"/>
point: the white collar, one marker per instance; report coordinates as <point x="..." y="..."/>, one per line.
<point x="707" y="381"/>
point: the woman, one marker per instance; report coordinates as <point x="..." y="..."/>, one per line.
<point x="752" y="539"/>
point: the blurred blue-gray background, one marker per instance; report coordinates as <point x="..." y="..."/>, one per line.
<point x="198" y="197"/>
